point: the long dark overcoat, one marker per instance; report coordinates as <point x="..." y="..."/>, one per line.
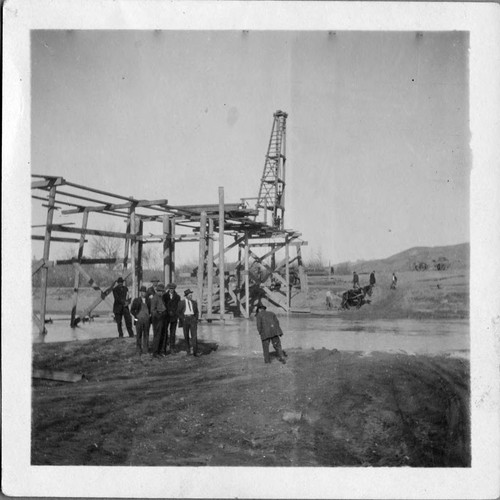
<point x="268" y="325"/>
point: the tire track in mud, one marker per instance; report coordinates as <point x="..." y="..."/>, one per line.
<point x="457" y="409"/>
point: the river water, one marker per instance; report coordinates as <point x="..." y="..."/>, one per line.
<point x="239" y="336"/>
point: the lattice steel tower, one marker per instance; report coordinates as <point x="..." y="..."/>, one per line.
<point x="271" y="197"/>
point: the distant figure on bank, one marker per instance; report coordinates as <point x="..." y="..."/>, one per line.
<point x="269" y="330"/>
<point x="120" y="307"/>
<point x="332" y="271"/>
<point x="355" y="280"/>
<point x="394" y="282"/>
<point x="171" y="300"/>
<point x="159" y="319"/>
<point x="188" y="318"/>
<point x="329" y="299"/>
<point x="141" y="311"/>
<point x="372" y="278"/>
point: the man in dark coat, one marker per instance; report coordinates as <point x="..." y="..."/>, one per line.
<point x="372" y="278"/>
<point x="269" y="329"/>
<point x="159" y="318"/>
<point x="171" y="300"/>
<point x="120" y="307"/>
<point x="188" y="318"/>
<point x="141" y="311"/>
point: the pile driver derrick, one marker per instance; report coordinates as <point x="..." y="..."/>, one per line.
<point x="271" y="199"/>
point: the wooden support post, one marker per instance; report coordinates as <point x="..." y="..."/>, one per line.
<point x="238" y="278"/>
<point x="273" y="257"/>
<point x="167" y="258"/>
<point x="139" y="254"/>
<point x="201" y="259"/>
<point x="133" y="256"/>
<point x="45" y="258"/>
<point x="222" y="290"/>
<point x="247" y="278"/>
<point x="171" y="277"/>
<point x="77" y="273"/>
<point x="287" y="273"/>
<point x="127" y="243"/>
<point x="210" y="267"/>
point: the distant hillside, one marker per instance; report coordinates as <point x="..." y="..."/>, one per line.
<point x="458" y="257"/>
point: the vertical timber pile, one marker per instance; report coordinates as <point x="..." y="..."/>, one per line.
<point x="210" y="267"/>
<point x="46" y="253"/>
<point x="247" y="278"/>
<point x="77" y="272"/>
<point x="272" y="187"/>
<point x="222" y="290"/>
<point x="133" y="251"/>
<point x="201" y="259"/>
<point x="167" y="256"/>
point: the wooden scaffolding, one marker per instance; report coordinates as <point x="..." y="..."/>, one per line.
<point x="259" y="275"/>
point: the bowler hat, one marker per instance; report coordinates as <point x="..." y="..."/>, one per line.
<point x="120" y="280"/>
<point x="160" y="287"/>
<point x="155" y="280"/>
<point x="261" y="306"/>
<point x="172" y="286"/>
<point x="143" y="289"/>
<point x="187" y="292"/>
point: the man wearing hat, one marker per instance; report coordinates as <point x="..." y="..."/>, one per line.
<point x="171" y="300"/>
<point x="141" y="311"/>
<point x="269" y="329"/>
<point x="120" y="307"/>
<point x="188" y="317"/>
<point x="159" y="318"/>
<point x="152" y="289"/>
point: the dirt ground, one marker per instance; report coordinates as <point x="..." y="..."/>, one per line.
<point x="323" y="408"/>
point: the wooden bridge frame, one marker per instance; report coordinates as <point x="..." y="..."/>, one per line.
<point x="227" y="220"/>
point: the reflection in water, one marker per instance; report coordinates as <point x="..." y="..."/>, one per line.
<point x="240" y="336"/>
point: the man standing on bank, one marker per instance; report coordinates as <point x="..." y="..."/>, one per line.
<point x="269" y="329"/>
<point x="141" y="311"/>
<point x="372" y="278"/>
<point x="159" y="317"/>
<point x="188" y="318"/>
<point x="120" y="307"/>
<point x="171" y="300"/>
<point x="355" y="280"/>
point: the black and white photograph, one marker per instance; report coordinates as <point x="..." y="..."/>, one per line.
<point x="258" y="242"/>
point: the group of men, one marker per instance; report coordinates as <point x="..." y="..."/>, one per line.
<point x="163" y="309"/>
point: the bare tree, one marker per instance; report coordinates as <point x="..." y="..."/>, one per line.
<point x="105" y="247"/>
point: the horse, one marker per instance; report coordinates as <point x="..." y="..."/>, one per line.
<point x="356" y="297"/>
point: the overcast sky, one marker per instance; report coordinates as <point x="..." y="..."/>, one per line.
<point x="378" y="156"/>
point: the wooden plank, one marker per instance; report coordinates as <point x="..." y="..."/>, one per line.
<point x="116" y="206"/>
<point x="95" y="232"/>
<point x="59" y="376"/>
<point x="65" y="262"/>
<point x="47" y="183"/>
<point x="39" y="237"/>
